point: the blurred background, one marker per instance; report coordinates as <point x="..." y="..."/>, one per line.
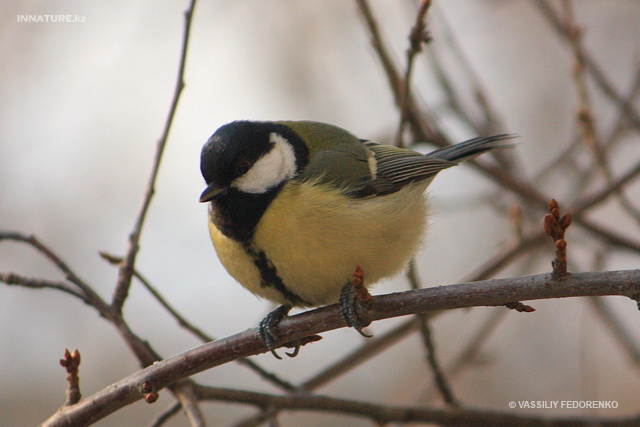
<point x="82" y="106"/>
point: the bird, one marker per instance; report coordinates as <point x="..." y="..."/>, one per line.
<point x="296" y="206"/>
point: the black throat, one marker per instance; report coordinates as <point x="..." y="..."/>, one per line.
<point x="236" y="214"/>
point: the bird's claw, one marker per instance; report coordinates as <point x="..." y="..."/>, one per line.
<point x="354" y="294"/>
<point x="267" y="331"/>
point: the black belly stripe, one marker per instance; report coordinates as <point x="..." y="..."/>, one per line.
<point x="269" y="277"/>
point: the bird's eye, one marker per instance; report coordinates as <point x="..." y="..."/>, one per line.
<point x="242" y="167"/>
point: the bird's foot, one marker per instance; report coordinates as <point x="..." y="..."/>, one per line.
<point x="268" y="335"/>
<point x="267" y="330"/>
<point x="353" y="300"/>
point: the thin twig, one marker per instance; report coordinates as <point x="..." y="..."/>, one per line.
<point x="127" y="267"/>
<point x="166" y="415"/>
<point x="143" y="351"/>
<point x="364" y="352"/>
<point x="450" y="93"/>
<point x="526" y="191"/>
<point x="50" y="255"/>
<point x="607" y="235"/>
<point x="615" y="134"/>
<point x="595" y="199"/>
<point x="491" y="123"/>
<point x="383" y="414"/>
<point x="535" y="198"/>
<point x="424" y="131"/>
<point x="182" y="321"/>
<point x="417" y="37"/>
<point x="505" y="256"/>
<point x="441" y="381"/>
<point x="623" y="117"/>
<point x="35" y="283"/>
<point x="585" y="112"/>
<point x="564" y="159"/>
<point x="84" y="292"/>
<point x="594" y="70"/>
<point x="418" y="122"/>
<point x="616" y="327"/>
<point x="609" y="142"/>
<point x="204" y="337"/>
<point x="529" y="194"/>
<point x="140" y="348"/>
<point x="427" y="339"/>
<point x="189" y="401"/>
<point x="469" y="354"/>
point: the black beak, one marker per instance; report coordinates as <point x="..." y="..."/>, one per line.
<point x="211" y="192"/>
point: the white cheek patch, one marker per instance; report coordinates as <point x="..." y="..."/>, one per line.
<point x="277" y="165"/>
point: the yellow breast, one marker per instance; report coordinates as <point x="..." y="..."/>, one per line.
<point x="315" y="237"/>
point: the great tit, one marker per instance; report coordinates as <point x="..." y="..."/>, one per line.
<point x="295" y="206"/>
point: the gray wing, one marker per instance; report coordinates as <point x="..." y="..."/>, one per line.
<point x="374" y="169"/>
<point x="363" y="168"/>
<point x="396" y="167"/>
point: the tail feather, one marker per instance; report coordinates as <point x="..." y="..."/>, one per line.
<point x="472" y="147"/>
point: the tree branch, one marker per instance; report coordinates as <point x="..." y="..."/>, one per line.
<point x="422" y="131"/>
<point x="417" y="36"/>
<point x="430" y="346"/>
<point x="585" y="115"/>
<point x="599" y="78"/>
<point x="485" y="293"/>
<point x="204" y="337"/>
<point x="383" y="414"/>
<point x="84" y="291"/>
<point x="35" y="283"/>
<point x="127" y="267"/>
<point x="396" y="82"/>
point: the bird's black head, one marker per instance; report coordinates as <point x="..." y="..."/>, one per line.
<point x="245" y="164"/>
<point x="251" y="157"/>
